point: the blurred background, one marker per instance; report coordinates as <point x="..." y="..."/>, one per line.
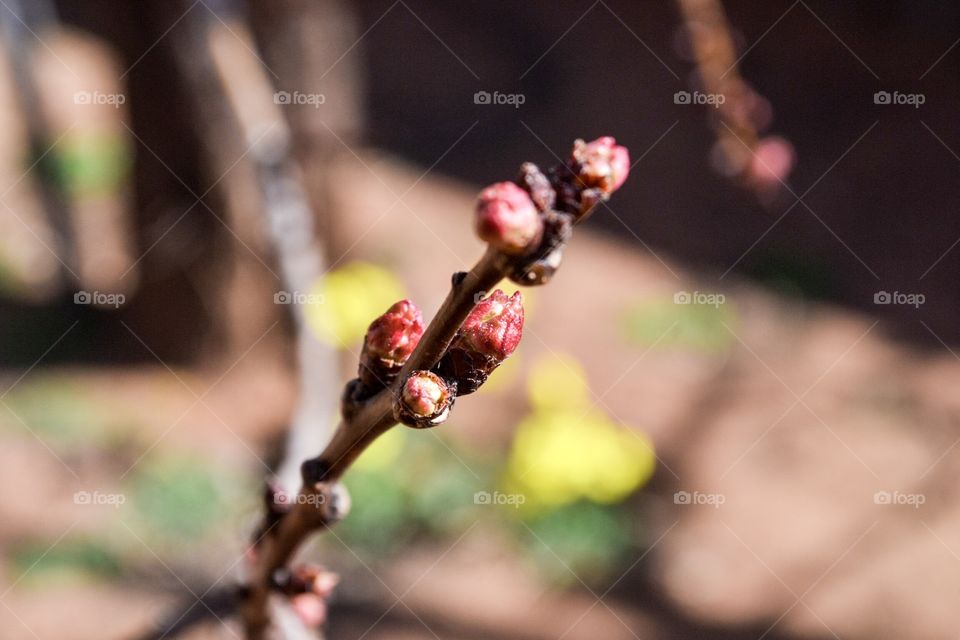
<point x="734" y="412"/>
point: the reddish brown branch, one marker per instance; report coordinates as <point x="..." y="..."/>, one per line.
<point x="526" y="229"/>
<point x="368" y="420"/>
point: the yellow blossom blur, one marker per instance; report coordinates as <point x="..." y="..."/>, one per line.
<point x="567" y="450"/>
<point x="347" y="299"/>
<point x="384" y="451"/>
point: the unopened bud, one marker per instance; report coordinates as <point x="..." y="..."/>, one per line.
<point x="486" y="338"/>
<point x="508" y="219"/>
<point x="601" y="164"/>
<point x="390" y="340"/>
<point x="495" y="325"/>
<point x="425" y="400"/>
<point x="306" y="578"/>
<point x="310" y="608"/>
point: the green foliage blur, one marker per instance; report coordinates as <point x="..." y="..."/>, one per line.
<point x="566" y="478"/>
<point x="560" y="487"/>
<point x="693" y="327"/>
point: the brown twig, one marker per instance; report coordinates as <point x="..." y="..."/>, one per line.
<point x="741" y="115"/>
<point x="368" y="420"/>
<point x="537" y="210"/>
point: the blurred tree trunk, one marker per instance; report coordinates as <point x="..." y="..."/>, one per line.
<point x="303" y="44"/>
<point x="182" y="245"/>
<point x="309" y="46"/>
<point x="187" y="250"/>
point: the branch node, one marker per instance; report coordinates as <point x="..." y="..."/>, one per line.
<point x="313" y="471"/>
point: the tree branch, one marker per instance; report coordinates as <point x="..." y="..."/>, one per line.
<point x="526" y="225"/>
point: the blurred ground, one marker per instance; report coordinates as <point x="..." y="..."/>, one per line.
<point x="778" y="422"/>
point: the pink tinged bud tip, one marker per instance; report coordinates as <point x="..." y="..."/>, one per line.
<point x="394" y="335"/>
<point x="601" y="164"/>
<point x="508" y="219"/>
<point x="495" y="325"/>
<point x="772" y="160"/>
<point x="325" y="583"/>
<point x="490" y="333"/>
<point x="425" y="395"/>
<point x="310" y="608"/>
<point x="314" y="579"/>
<point x="389" y="342"/>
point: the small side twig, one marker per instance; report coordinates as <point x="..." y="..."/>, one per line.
<point x="758" y="161"/>
<point x="411" y="375"/>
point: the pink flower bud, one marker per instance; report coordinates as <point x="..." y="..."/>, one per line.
<point x="602" y="164"/>
<point x="310" y="608"/>
<point x="324" y="583"/>
<point x="508" y="219"/>
<point x="390" y="340"/>
<point x="311" y="578"/>
<point x="425" y="400"/>
<point x="494" y="327"/>
<point x="490" y="333"/>
<point x="395" y="334"/>
<point x="772" y="161"/>
<point x="306" y="578"/>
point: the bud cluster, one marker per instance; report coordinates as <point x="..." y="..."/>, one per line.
<point x="530" y="220"/>
<point x="526" y="224"/>
<point x="486" y="338"/>
<point x="489" y="334"/>
<point x="594" y="171"/>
